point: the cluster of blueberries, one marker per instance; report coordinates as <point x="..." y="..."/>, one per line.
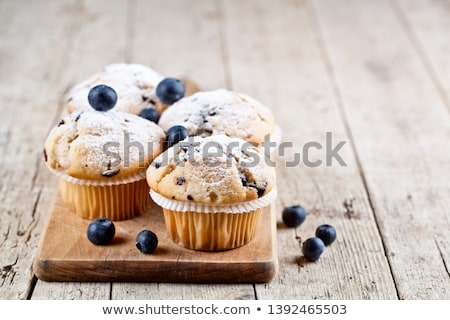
<point x="312" y="248"/>
<point x="169" y="91"/>
<point x="101" y="231"/>
<point x="103" y="98"/>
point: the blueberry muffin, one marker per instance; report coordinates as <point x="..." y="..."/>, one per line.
<point x="221" y="112"/>
<point x="212" y="191"/>
<point x="135" y="85"/>
<point x="101" y="159"/>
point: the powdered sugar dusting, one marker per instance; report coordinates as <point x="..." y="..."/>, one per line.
<point x="220" y="112"/>
<point x="135" y="85"/>
<point x="216" y="169"/>
<point x="89" y="144"/>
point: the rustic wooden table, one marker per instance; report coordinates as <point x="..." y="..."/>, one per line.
<point x="375" y="74"/>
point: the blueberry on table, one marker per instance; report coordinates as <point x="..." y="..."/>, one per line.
<point x="150" y="114"/>
<point x="312" y="248"/>
<point x="170" y="90"/>
<point x="101" y="231"/>
<point x="175" y="135"/>
<point x="146" y="241"/>
<point x="293" y="216"/>
<point x="326" y="233"/>
<point x="102" y="97"/>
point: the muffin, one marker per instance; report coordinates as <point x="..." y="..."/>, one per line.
<point x="135" y="85"/>
<point x="101" y="159"/>
<point x="212" y="191"/>
<point x="221" y="111"/>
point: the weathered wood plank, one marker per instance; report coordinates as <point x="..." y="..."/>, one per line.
<point x="176" y="291"/>
<point x="427" y="23"/>
<point x="275" y="56"/>
<point x="96" y="36"/>
<point x="180" y="38"/>
<point x="401" y="131"/>
<point x="32" y="39"/>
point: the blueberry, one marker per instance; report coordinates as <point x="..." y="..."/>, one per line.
<point x="175" y="135"/>
<point x="312" y="248"/>
<point x="102" y="98"/>
<point x="149" y="114"/>
<point x="146" y="241"/>
<point x="101" y="231"/>
<point x="170" y="90"/>
<point x="293" y="216"/>
<point x="326" y="233"/>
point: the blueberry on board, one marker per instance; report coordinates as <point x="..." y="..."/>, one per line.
<point x="146" y="241"/>
<point x="293" y="216"/>
<point x="170" y="90"/>
<point x="149" y="114"/>
<point x="102" y="97"/>
<point x="101" y="231"/>
<point x="312" y="248"/>
<point x="326" y="233"/>
<point x="175" y="135"/>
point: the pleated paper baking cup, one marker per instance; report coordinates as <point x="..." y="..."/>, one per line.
<point x="209" y="227"/>
<point x="184" y="206"/>
<point x="213" y="231"/>
<point x="115" y="202"/>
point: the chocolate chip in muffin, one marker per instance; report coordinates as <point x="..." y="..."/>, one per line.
<point x="110" y="172"/>
<point x="189" y="197"/>
<point x="45" y="155"/>
<point x="246" y="182"/>
<point x="61" y="122"/>
<point x="261" y="188"/>
<point x="157" y="164"/>
<point x="180" y="181"/>
<point x="78" y="117"/>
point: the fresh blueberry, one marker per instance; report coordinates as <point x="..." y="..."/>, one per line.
<point x="149" y="114"/>
<point x="175" y="135"/>
<point x="102" y="97"/>
<point x="326" y="233"/>
<point x="101" y="231"/>
<point x="170" y="90"/>
<point x="293" y="216"/>
<point x="146" y="241"/>
<point x="312" y="248"/>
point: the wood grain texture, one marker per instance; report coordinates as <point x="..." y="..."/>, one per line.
<point x="427" y="22"/>
<point x="30" y="66"/>
<point x="89" y="48"/>
<point x="180" y="38"/>
<point x="283" y="67"/>
<point x="401" y="137"/>
<point x="65" y="253"/>
<point x="374" y="73"/>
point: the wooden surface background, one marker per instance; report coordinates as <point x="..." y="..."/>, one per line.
<point x="375" y="74"/>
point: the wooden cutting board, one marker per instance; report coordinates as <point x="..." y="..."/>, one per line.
<point x="65" y="253"/>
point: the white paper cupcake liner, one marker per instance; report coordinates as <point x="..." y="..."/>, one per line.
<point x="184" y="206"/>
<point x="103" y="182"/>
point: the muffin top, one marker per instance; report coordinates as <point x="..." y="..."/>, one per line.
<point x="135" y="85"/>
<point x="215" y="170"/>
<point x="220" y="111"/>
<point x="102" y="146"/>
